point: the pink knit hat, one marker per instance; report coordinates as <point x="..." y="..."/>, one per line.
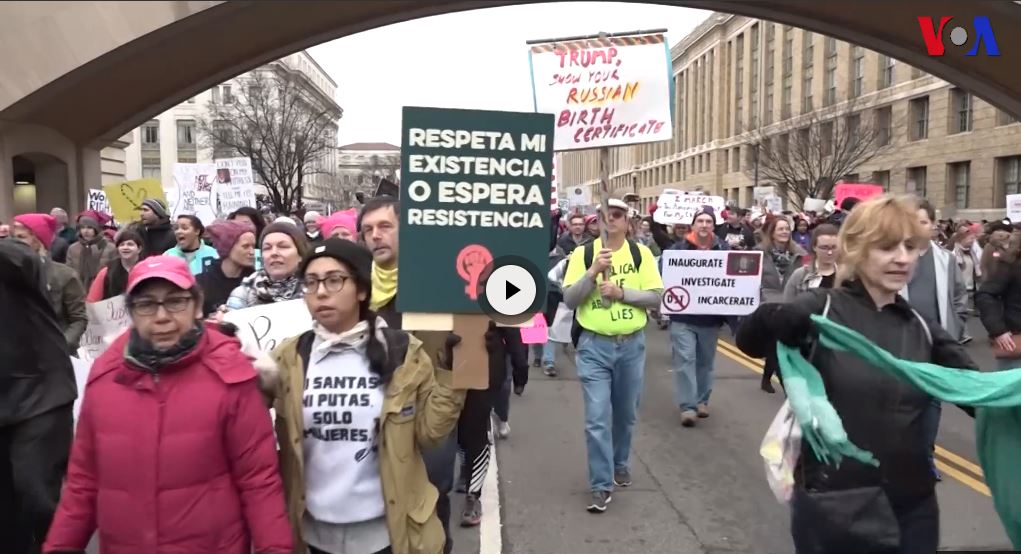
<point x="43" y="226"/>
<point x="225" y="234"/>
<point x="346" y="219"/>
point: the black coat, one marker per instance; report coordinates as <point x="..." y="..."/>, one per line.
<point x="216" y="287"/>
<point x="158" y="238"/>
<point x="880" y="413"/>
<point x="998" y="299"/>
<point x="35" y="365"/>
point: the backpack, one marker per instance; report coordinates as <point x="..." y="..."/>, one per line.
<point x="587" y="255"/>
<point x="397" y="342"/>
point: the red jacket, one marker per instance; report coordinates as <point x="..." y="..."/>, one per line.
<point x="180" y="463"/>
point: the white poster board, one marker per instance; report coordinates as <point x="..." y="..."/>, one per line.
<point x="711" y="282"/>
<point x="235" y="185"/>
<point x="817" y="205"/>
<point x="193" y="191"/>
<point x="98" y="201"/>
<point x="605" y="91"/>
<point x="107" y="321"/>
<point x="261" y="328"/>
<point x="578" y="196"/>
<point x="1014" y="207"/>
<point x="675" y="207"/>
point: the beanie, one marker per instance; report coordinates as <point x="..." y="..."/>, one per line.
<point x="346" y="219"/>
<point x="311" y="216"/>
<point x="43" y="226"/>
<point x="704" y="209"/>
<point x="225" y="234"/>
<point x="355" y="256"/>
<point x="85" y="221"/>
<point x="157" y="206"/>
<point x="288" y="228"/>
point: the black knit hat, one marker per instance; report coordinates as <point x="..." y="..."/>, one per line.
<point x="704" y="209"/>
<point x="1002" y="225"/>
<point x="355" y="256"/>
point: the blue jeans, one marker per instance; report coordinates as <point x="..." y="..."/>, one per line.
<point x="694" y="352"/>
<point x="612" y="373"/>
<point x="545" y="352"/>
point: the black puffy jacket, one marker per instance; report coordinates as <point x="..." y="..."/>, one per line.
<point x="998" y="299"/>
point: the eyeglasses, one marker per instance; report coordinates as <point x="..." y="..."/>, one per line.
<point x="173" y="305"/>
<point x="334" y="282"/>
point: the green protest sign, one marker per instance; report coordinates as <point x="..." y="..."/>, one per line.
<point x="475" y="186"/>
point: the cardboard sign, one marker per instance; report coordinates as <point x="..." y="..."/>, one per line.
<point x="107" y="321"/>
<point x="475" y="188"/>
<point x="194" y="191"/>
<point x="1014" y="207"/>
<point x="97" y="201"/>
<point x="235" y="185"/>
<point x="606" y="91"/>
<point x="699" y="282"/>
<point x="854" y="190"/>
<point x="126" y="198"/>
<point x="536" y="333"/>
<point x="674" y="207"/>
<point x="262" y="328"/>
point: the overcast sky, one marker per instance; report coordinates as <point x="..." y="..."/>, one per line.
<point x="476" y="59"/>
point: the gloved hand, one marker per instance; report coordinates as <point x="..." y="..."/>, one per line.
<point x="793" y="324"/>
<point x="446" y="355"/>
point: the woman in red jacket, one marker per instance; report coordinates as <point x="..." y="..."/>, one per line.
<point x="174" y="450"/>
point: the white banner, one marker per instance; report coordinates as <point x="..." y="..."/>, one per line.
<point x="605" y="91"/>
<point x="1014" y="207"/>
<point x="261" y="328"/>
<point x="579" y="196"/>
<point x="235" y="186"/>
<point x="107" y="321"/>
<point x="711" y="282"/>
<point x="98" y="201"/>
<point x="193" y="191"/>
<point x="675" y="207"/>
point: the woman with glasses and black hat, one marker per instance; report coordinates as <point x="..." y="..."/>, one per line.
<point x="356" y="403"/>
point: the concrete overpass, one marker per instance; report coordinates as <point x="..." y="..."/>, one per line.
<point x="75" y="76"/>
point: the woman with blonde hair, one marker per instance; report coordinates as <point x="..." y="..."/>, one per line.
<point x="894" y="504"/>
<point x="780" y="256"/>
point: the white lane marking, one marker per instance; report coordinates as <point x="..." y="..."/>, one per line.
<point x="490" y="530"/>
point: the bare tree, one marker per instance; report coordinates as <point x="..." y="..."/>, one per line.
<point x="804" y="157"/>
<point x="280" y="126"/>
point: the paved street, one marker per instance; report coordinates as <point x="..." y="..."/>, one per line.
<point x="696" y="490"/>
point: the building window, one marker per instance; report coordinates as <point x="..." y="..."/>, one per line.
<point x="185" y="159"/>
<point x="884" y="125"/>
<point x="151" y="134"/>
<point x="753" y="62"/>
<point x="960" y="180"/>
<point x="806" y="98"/>
<point x="739" y="85"/>
<point x="918" y="110"/>
<point x="1004" y="118"/>
<point x="882" y="178"/>
<point x="853" y="124"/>
<point x="826" y="138"/>
<point x="726" y="160"/>
<point x="783" y="146"/>
<point x="1010" y="169"/>
<point x="788" y="72"/>
<point x="807" y="49"/>
<point x="886" y="64"/>
<point x="151" y="167"/>
<point x="960" y="111"/>
<point x="225" y="92"/>
<point x="185" y="133"/>
<point x="770" y="70"/>
<point x="916" y="180"/>
<point x="737" y="158"/>
<point x="857" y="71"/>
<point x="830" y="97"/>
<point x="807" y="53"/>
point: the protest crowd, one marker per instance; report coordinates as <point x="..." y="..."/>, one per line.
<point x="173" y="447"/>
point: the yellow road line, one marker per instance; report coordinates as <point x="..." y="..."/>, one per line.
<point x="959" y="472"/>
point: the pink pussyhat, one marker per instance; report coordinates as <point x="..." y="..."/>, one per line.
<point x="347" y="219"/>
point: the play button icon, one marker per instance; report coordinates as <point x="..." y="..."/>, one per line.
<point x="512" y="288"/>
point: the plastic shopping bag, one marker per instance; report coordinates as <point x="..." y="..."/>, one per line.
<point x="561" y="329"/>
<point x="780" y="450"/>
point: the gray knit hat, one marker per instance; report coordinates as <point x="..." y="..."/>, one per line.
<point x="157" y="206"/>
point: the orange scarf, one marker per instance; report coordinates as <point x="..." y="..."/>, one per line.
<point x="693" y="239"/>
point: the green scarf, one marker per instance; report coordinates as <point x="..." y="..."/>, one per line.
<point x="997" y="396"/>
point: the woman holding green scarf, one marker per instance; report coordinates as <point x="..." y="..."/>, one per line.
<point x="856" y="506"/>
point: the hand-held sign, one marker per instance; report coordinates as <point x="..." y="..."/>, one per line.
<point x="133" y="195"/>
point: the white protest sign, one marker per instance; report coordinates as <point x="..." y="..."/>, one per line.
<point x="674" y="207"/>
<point x="235" y="187"/>
<point x="194" y="185"/>
<point x="605" y="91"/>
<point x="1014" y="207"/>
<point x="263" y="327"/>
<point x="98" y="201"/>
<point x="817" y="205"/>
<point x="711" y="282"/>
<point x="107" y="321"/>
<point x="580" y="195"/>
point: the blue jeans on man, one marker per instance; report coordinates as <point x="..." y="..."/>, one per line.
<point x="694" y="353"/>
<point x="544" y="352"/>
<point x="612" y="372"/>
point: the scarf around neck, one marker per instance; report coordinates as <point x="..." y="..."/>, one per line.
<point x="384" y="286"/>
<point x="149" y="358"/>
<point x="354" y="338"/>
<point x="268" y="290"/>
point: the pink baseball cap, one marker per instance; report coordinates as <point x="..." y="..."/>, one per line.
<point x="169" y="268"/>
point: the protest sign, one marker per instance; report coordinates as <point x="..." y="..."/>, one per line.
<point x="81" y="378"/>
<point x="816" y="205"/>
<point x="107" y="321"/>
<point x="553" y="187"/>
<point x="263" y="327"/>
<point x="713" y="282"/>
<point x="475" y="188"/>
<point x="674" y="207"/>
<point x="193" y="184"/>
<point x="1014" y="207"/>
<point x="126" y="198"/>
<point x="580" y="195"/>
<point x="235" y="186"/>
<point x="387" y="187"/>
<point x="608" y="91"/>
<point x="97" y="201"/>
<point x="855" y="190"/>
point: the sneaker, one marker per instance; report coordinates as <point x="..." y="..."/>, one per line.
<point x="502" y="430"/>
<point x="622" y="478"/>
<point x="688" y="418"/>
<point x="767" y="386"/>
<point x="471" y="516"/>
<point x="549" y="371"/>
<point x="519" y="389"/>
<point x="536" y="363"/>
<point x="599" y="501"/>
<point x="703" y="411"/>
